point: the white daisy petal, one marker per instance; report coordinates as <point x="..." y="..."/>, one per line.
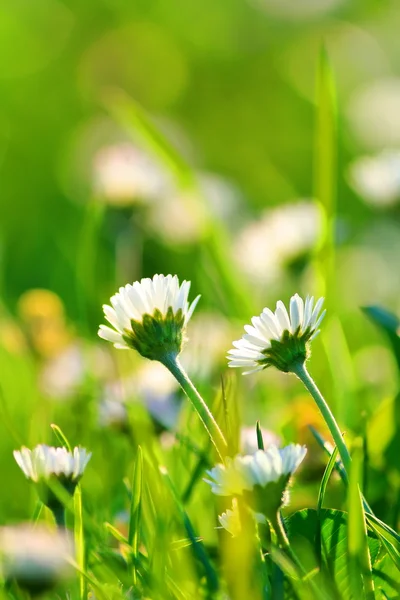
<point x="243" y="473"/>
<point x="106" y="333"/>
<point x="44" y="461"/>
<point x="296" y="312"/>
<point x="302" y="321"/>
<point x="282" y="316"/>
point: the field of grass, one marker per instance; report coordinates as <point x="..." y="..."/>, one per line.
<point x="252" y="149"/>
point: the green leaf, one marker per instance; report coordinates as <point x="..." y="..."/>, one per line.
<point x="388" y="323"/>
<point x="386" y="579"/>
<point x="302" y="529"/>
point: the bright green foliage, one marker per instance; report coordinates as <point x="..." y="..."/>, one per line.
<point x="203" y="90"/>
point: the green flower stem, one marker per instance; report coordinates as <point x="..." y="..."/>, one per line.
<point x="59" y="516"/>
<point x="300" y="370"/>
<point x="217" y="437"/>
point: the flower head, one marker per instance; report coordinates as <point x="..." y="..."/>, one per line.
<point x="35" y="557"/>
<point x="262" y="478"/>
<point x="279" y="339"/>
<point x="149" y="316"/>
<point x="44" y="464"/>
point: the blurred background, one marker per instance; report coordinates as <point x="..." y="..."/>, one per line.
<point x="250" y="147"/>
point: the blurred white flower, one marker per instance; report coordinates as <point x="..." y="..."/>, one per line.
<point x="34" y="556"/>
<point x="278" y="339"/>
<point x="149" y="316"/>
<point x="243" y="473"/>
<point x="248" y="439"/>
<point x="45" y="461"/>
<point x="63" y="373"/>
<point x="377" y="178"/>
<point x="124" y="174"/>
<point x="178" y="218"/>
<point x="230" y="519"/>
<point x="373" y="113"/>
<point x="152" y="386"/>
<point x="264" y="246"/>
<point x="112" y="412"/>
<point x="220" y="196"/>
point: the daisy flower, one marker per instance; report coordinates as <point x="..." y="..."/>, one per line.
<point x="262" y="478"/>
<point x="44" y="462"/>
<point x="45" y="466"/>
<point x="281" y="339"/>
<point x="35" y="557"/>
<point x="242" y="473"/>
<point x="149" y="316"/>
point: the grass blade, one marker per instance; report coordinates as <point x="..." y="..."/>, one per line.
<point x="360" y="569"/>
<point x="62" y="438"/>
<point x="325" y="168"/>
<point x="321" y="495"/>
<point x="80" y="542"/>
<point x="260" y="441"/>
<point x="135" y="512"/>
<point x="198" y="547"/>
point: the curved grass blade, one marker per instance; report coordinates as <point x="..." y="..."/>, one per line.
<point x="62" y="438"/>
<point x="321" y="495"/>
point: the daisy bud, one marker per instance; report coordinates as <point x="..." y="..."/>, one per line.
<point x="149" y="316"/>
<point x="45" y="464"/>
<point x="231" y="521"/>
<point x="281" y="339"/>
<point x="36" y="558"/>
<point x="261" y="478"/>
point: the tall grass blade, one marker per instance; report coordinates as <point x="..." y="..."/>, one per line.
<point x="80" y="542"/>
<point x="135" y="510"/>
<point x="62" y="438"/>
<point x="325" y="169"/>
<point x="360" y="569"/>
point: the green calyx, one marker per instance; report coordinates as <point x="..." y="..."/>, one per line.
<point x="268" y="499"/>
<point x="291" y="349"/>
<point x="157" y="334"/>
<point x="47" y="489"/>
